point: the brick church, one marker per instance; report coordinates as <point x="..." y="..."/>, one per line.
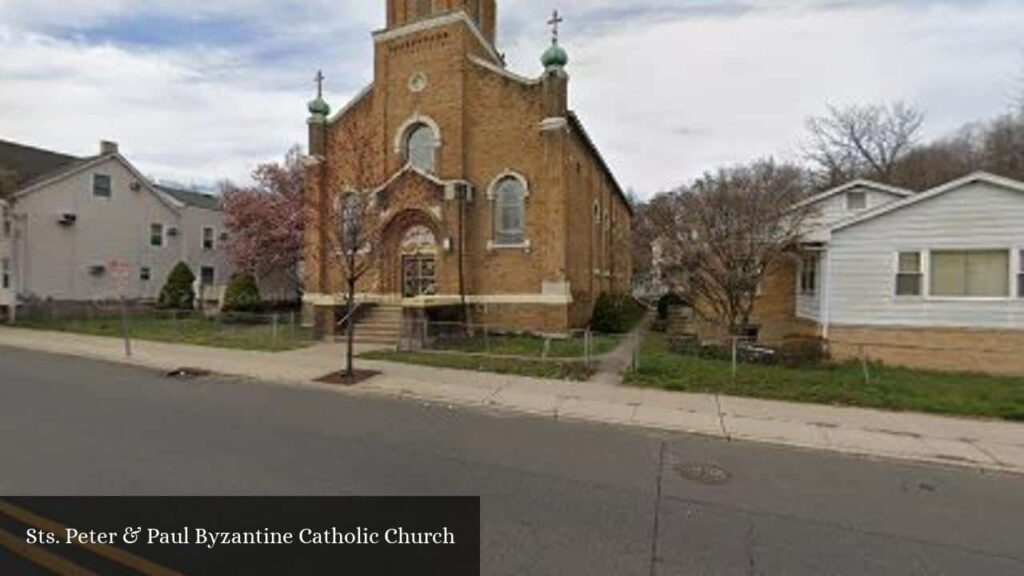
<point x="491" y="200"/>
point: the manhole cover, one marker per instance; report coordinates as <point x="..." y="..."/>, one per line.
<point x="704" y="473"/>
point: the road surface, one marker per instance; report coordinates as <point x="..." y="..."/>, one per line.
<point x="557" y="497"/>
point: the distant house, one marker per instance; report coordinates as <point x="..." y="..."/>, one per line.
<point x="73" y="221"/>
<point x="933" y="280"/>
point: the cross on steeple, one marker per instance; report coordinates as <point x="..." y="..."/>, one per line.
<point x="556" y="19"/>
<point x="319" y="83"/>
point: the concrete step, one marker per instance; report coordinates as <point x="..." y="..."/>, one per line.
<point x="377" y="333"/>
<point x="383" y="325"/>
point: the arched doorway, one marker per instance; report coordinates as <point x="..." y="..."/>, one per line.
<point x="410" y="266"/>
<point x="419" y="262"/>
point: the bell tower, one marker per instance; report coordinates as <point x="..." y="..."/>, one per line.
<point x="484" y="13"/>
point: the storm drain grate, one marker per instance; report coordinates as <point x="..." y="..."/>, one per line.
<point x="188" y="373"/>
<point x="704" y="473"/>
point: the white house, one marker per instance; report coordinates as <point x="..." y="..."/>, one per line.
<point x="6" y="262"/>
<point x="934" y="279"/>
<point x="95" y="228"/>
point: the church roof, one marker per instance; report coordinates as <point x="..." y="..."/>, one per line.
<point x="577" y="125"/>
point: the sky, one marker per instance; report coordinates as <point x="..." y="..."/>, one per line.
<point x="197" y="91"/>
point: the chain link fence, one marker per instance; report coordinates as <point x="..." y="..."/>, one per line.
<point x="272" y="331"/>
<point x="485" y="340"/>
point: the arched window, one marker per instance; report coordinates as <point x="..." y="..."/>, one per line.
<point x="510" y="211"/>
<point x="421" y="147"/>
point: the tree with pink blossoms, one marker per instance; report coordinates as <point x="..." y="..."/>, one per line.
<point x="265" y="221"/>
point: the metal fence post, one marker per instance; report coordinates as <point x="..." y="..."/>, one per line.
<point x="487" y="339"/>
<point x="274" y="329"/>
<point x="635" y="360"/>
<point x="864" y="366"/>
<point x="735" y="357"/>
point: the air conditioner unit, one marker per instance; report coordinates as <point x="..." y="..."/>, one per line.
<point x="172" y="232"/>
<point x="223" y="236"/>
<point x="67" y="219"/>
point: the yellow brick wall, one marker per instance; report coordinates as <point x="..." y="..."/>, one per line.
<point x="946" y="349"/>
<point x="489" y="123"/>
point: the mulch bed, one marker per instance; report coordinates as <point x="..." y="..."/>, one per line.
<point x="339" y="378"/>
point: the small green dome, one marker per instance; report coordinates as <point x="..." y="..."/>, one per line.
<point x="554" y="57"/>
<point x="319" y="107"/>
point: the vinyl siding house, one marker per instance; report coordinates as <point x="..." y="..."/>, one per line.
<point x="789" y="303"/>
<point x="930" y="280"/>
<point x="67" y="227"/>
<point x="6" y="261"/>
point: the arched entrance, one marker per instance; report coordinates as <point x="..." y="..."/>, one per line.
<point x="419" y="262"/>
<point x="411" y="254"/>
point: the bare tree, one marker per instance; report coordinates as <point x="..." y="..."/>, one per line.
<point x="861" y="141"/>
<point x="354" y="237"/>
<point x="727" y="230"/>
<point x="1003" y="146"/>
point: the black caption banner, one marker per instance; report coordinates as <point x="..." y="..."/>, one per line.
<point x="253" y="536"/>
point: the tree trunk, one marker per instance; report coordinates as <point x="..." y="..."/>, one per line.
<point x="350" y="329"/>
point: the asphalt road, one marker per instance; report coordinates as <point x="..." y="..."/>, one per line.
<point x="558" y="497"/>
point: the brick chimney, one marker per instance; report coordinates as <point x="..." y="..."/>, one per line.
<point x="107" y="147"/>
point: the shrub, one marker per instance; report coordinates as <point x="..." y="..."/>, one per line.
<point x="616" y="313"/>
<point x="177" y="293"/>
<point x="242" y="294"/>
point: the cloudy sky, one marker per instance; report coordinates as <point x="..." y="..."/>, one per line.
<point x="197" y="91"/>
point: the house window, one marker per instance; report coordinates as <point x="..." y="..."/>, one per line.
<point x="101" y="186"/>
<point x="809" y="275"/>
<point x="856" y="201"/>
<point x="1020" y="276"/>
<point x="909" y="274"/>
<point x="207" y="275"/>
<point x="156" y="235"/>
<point x="970" y="273"/>
<point x="421" y="147"/>
<point x="5" y="274"/>
<point x="208" y="239"/>
<point x="145" y="274"/>
<point x="510" y="211"/>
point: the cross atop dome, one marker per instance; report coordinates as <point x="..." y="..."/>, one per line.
<point x="556" y="19"/>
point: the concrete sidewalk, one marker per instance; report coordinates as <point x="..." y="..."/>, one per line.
<point x="988" y="445"/>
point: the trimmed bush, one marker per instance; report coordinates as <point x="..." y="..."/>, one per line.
<point x="242" y="294"/>
<point x="616" y="313"/>
<point x="177" y="293"/>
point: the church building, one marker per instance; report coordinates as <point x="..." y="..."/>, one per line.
<point x="490" y="200"/>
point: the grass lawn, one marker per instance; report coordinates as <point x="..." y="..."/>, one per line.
<point x="888" y="388"/>
<point x="554" y="369"/>
<point x="531" y="346"/>
<point x="193" y="330"/>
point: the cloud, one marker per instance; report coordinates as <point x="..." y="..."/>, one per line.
<point x="199" y="91"/>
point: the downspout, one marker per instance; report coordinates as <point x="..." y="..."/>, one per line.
<point x="827" y="312"/>
<point x="462" y="251"/>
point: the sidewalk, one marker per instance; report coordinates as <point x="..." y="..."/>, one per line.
<point x="987" y="445"/>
